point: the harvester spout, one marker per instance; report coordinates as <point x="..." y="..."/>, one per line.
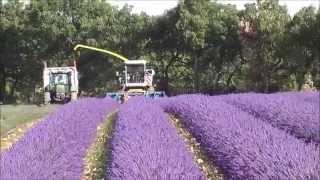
<point x="101" y="50"/>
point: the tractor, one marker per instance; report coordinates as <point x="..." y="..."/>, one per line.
<point x="60" y="84"/>
<point x="135" y="80"/>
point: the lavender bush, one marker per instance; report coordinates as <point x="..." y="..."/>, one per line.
<point x="243" y="146"/>
<point x="55" y="148"/>
<point x="146" y="146"/>
<point x="312" y="96"/>
<point x="296" y="113"/>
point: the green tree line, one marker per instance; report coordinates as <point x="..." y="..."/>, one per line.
<point x="198" y="46"/>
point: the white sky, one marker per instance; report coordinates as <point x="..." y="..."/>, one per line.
<point x="157" y="7"/>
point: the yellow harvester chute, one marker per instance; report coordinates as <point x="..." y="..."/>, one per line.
<point x="100" y="50"/>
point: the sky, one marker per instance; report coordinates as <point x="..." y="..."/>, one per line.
<point x="157" y="7"/>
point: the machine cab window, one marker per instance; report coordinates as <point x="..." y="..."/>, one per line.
<point x="135" y="73"/>
<point x="60" y="82"/>
<point x="60" y="78"/>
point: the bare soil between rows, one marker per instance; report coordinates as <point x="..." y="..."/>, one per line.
<point x="15" y="134"/>
<point x="207" y="166"/>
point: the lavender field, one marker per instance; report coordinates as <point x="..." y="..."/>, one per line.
<point x="296" y="113"/>
<point x="247" y="136"/>
<point x="55" y="148"/>
<point x="146" y="146"/>
<point x="244" y="146"/>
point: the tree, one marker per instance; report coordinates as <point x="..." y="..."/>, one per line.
<point x="11" y="25"/>
<point x="220" y="57"/>
<point x="198" y="46"/>
<point x="266" y="24"/>
<point x="303" y="45"/>
<point x="191" y="26"/>
<point x="164" y="46"/>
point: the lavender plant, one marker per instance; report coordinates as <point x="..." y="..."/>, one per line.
<point x="242" y="145"/>
<point x="55" y="148"/>
<point x="146" y="146"/>
<point x="308" y="96"/>
<point x="296" y="113"/>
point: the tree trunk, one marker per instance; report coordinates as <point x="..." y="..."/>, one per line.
<point x="300" y="80"/>
<point x="195" y="75"/>
<point x="230" y="78"/>
<point x="166" y="72"/>
<point x="166" y="82"/>
<point x="267" y="83"/>
<point x="196" y="71"/>
<point x="216" y="86"/>
<point x="2" y="83"/>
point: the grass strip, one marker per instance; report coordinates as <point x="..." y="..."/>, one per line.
<point x="210" y="171"/>
<point x="13" y="135"/>
<point x="97" y="156"/>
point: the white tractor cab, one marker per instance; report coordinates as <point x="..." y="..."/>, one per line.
<point x="136" y="75"/>
<point x="60" y="84"/>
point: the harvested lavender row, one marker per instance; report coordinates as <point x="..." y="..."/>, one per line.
<point x="146" y="146"/>
<point x="55" y="148"/>
<point x="287" y="112"/>
<point x="243" y="146"/>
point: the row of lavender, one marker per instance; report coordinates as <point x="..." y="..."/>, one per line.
<point x="146" y="146"/>
<point x="245" y="146"/>
<point x="56" y="146"/>
<point x="296" y="113"/>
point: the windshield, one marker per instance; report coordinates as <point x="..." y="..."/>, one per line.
<point x="59" y="78"/>
<point x="132" y="68"/>
<point x="135" y="73"/>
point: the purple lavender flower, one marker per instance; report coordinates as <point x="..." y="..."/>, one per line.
<point x="296" y="113"/>
<point x="312" y="96"/>
<point x="146" y="146"/>
<point x="243" y="146"/>
<point x="55" y="148"/>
